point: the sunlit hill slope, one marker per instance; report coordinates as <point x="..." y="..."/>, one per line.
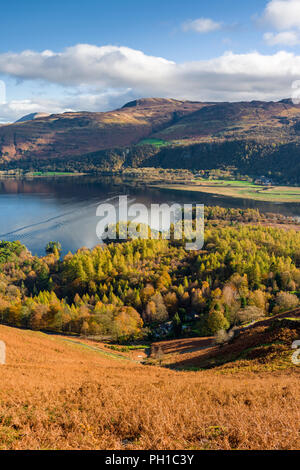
<point x="55" y="394"/>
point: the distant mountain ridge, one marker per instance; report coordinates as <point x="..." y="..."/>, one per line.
<point x="75" y="134"/>
<point x="30" y="117"/>
<point x="262" y="135"/>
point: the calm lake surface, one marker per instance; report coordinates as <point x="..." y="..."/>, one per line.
<point x="63" y="209"/>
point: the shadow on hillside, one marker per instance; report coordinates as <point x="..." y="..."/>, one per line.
<point x="182" y="346"/>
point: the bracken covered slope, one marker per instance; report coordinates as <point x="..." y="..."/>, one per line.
<point x="58" y="395"/>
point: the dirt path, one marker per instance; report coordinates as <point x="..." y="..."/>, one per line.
<point x="97" y="349"/>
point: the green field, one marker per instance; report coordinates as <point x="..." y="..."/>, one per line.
<point x="52" y="173"/>
<point x="241" y="189"/>
<point x="156" y="142"/>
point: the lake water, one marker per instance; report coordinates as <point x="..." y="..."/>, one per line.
<point x="63" y="209"/>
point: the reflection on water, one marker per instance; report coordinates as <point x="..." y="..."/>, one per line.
<point x="36" y="211"/>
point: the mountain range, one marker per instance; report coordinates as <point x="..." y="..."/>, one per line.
<point x="256" y="136"/>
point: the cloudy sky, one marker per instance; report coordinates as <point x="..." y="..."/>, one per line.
<point x="96" y="55"/>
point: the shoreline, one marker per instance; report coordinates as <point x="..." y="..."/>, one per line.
<point x="232" y="192"/>
<point x="45" y="175"/>
<point x="235" y="190"/>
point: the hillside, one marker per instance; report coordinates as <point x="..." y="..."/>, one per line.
<point x="263" y="346"/>
<point x="89" y="384"/>
<point x="58" y="395"/>
<point x="255" y="120"/>
<point x="75" y="134"/>
<point x="254" y="137"/>
<point x="30" y="117"/>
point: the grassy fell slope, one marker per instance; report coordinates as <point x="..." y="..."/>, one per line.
<point x="56" y="395"/>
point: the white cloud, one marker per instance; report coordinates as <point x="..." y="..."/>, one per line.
<point x="282" y="14"/>
<point x="284" y="17"/>
<point x="102" y="101"/>
<point x="285" y="38"/>
<point x="83" y="64"/>
<point x="201" y="25"/>
<point x="113" y="75"/>
<point x="15" y="109"/>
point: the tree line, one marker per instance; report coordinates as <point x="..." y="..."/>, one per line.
<point x="125" y="290"/>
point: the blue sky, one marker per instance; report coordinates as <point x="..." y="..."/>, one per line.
<point x="154" y="27"/>
<point x="100" y="54"/>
